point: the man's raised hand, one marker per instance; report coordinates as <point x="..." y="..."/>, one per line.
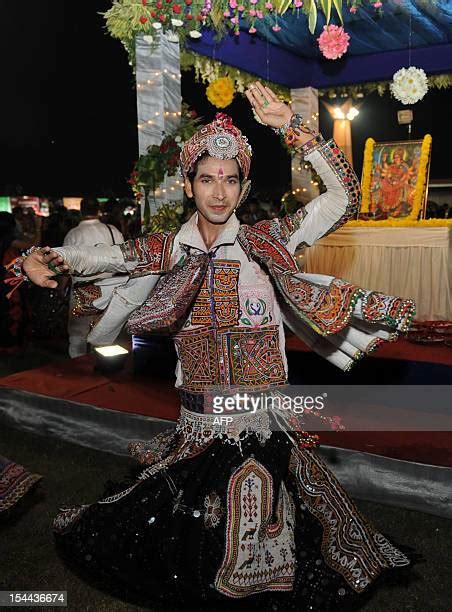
<point x="270" y="110"/>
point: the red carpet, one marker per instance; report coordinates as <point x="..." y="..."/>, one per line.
<point x="76" y="380"/>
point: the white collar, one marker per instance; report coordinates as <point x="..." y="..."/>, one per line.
<point x="190" y="235"/>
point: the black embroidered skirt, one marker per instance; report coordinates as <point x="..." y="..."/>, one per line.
<point x="218" y="525"/>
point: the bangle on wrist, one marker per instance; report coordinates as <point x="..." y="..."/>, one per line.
<point x="15" y="267"/>
<point x="281" y="131"/>
<point x="292" y="129"/>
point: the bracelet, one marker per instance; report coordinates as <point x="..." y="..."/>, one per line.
<point x="294" y="121"/>
<point x="16" y="268"/>
<point x="292" y="128"/>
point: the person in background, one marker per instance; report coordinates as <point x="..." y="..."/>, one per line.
<point x="89" y="232"/>
<point x="255" y="213"/>
<point x="113" y="214"/>
<point x="14" y="311"/>
<point x="59" y="223"/>
<point x="273" y="211"/>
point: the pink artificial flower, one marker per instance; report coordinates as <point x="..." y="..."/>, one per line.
<point x="333" y="41"/>
<point x="269" y="6"/>
<point x="298" y="3"/>
<point x="233" y="4"/>
<point x="377" y="5"/>
<point x="260" y="14"/>
<point x="253" y="1"/>
<point x="353" y="9"/>
<point x="252" y="30"/>
<point x="226" y="14"/>
<point x="234" y="20"/>
<point x="276" y="28"/>
<point x="237" y="32"/>
<point x="241" y="8"/>
<point x="252" y="13"/>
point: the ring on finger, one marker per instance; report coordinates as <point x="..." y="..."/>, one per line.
<point x="265" y="103"/>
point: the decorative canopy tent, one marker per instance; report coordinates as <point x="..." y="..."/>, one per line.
<point x="284" y="42"/>
<point x="379" y="45"/>
<point x="278" y="40"/>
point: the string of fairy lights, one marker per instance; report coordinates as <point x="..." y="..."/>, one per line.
<point x="149" y="83"/>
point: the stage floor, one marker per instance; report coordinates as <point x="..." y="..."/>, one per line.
<point x="154" y="396"/>
<point x="69" y="400"/>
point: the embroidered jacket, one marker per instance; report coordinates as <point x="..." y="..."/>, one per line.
<point x="233" y="333"/>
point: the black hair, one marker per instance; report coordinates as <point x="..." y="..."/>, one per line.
<point x="89" y="207"/>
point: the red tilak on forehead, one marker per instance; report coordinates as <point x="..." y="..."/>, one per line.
<point x="220" y="172"/>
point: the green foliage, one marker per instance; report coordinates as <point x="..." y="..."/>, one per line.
<point x="163" y="159"/>
<point x="168" y="218"/>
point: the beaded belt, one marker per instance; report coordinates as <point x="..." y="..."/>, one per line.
<point x="200" y="429"/>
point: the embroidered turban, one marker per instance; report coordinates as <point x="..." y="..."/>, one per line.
<point x="219" y="139"/>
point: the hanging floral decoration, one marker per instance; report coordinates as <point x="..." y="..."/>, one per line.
<point x="366" y="179"/>
<point x="208" y="69"/>
<point x="186" y="18"/>
<point x="161" y="160"/>
<point x="409" y="85"/>
<point x="333" y="41"/>
<point x="220" y="92"/>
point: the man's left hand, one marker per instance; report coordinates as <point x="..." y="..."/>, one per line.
<point x="270" y="110"/>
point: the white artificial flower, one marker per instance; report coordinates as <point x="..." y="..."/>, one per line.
<point x="148" y="38"/>
<point x="195" y="34"/>
<point x="409" y="85"/>
<point x="172" y="37"/>
<point x="178" y="139"/>
<point x="179" y="209"/>
<point x="157" y="25"/>
<point x="177" y="23"/>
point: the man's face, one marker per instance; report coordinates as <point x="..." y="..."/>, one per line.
<point x="216" y="188"/>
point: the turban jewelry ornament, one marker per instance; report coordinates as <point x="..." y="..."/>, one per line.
<point x="221" y="139"/>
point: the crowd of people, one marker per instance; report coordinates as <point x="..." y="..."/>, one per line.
<point x="30" y="312"/>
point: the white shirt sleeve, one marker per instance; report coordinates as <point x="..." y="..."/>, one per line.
<point x="331" y="209"/>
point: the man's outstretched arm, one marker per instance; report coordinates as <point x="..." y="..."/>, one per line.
<point x="149" y="254"/>
<point x="42" y="265"/>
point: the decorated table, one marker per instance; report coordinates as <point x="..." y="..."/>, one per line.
<point x="413" y="262"/>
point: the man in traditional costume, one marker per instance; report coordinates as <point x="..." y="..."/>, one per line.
<point x="236" y="515"/>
